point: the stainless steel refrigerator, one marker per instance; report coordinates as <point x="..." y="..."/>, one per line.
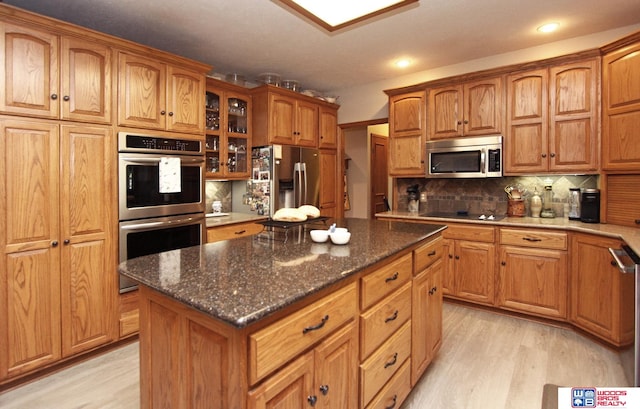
<point x="284" y="176"/>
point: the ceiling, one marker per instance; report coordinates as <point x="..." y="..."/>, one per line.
<point x="250" y="37"/>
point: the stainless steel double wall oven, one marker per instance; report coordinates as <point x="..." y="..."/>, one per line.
<point x="152" y="221"/>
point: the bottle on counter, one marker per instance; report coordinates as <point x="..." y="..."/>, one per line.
<point x="535" y="205"/>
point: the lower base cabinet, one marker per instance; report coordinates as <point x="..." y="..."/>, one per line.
<point x="233" y="231"/>
<point x="602" y="298"/>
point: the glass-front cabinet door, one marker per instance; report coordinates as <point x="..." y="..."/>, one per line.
<point x="228" y="140"/>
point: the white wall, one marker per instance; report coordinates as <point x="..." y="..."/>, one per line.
<point x="368" y="101"/>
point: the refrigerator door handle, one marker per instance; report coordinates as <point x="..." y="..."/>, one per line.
<point x="297" y="183"/>
<point x="303" y="199"/>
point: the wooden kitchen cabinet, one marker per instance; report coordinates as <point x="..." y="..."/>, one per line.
<point x="48" y="75"/>
<point x="621" y="108"/>
<point x="473" y="108"/>
<point x="601" y="297"/>
<point x="153" y="94"/>
<point x="533" y="272"/>
<point x="330" y="182"/>
<point x="471" y="267"/>
<point x="552" y="119"/>
<point x="328" y="128"/>
<point x="621" y="200"/>
<point x="325" y="377"/>
<point x="228" y="131"/>
<point x="233" y="231"/>
<point x="57" y="276"/>
<point x="426" y="316"/>
<point x="407" y="134"/>
<point x="285" y="117"/>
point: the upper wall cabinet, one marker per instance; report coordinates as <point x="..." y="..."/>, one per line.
<point x="52" y="76"/>
<point x="621" y="109"/>
<point x="473" y="108"/>
<point x="407" y="134"/>
<point x="156" y="95"/>
<point x="552" y="119"/>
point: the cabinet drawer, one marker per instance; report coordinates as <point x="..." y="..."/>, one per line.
<point x="271" y="347"/>
<point x="469" y="232"/>
<point x="385" y="280"/>
<point x="394" y="392"/>
<point x="383" y="363"/>
<point x="425" y="255"/>
<point x="534" y="238"/>
<point x="232" y="231"/>
<point x="378" y="323"/>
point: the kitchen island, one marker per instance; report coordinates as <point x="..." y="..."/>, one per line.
<point x="247" y="322"/>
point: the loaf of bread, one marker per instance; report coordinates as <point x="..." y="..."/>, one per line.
<point x="310" y="211"/>
<point x="289" y="214"/>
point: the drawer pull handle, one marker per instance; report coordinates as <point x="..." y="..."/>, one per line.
<point x="392" y="278"/>
<point x="391" y="318"/>
<point x="531" y="239"/>
<point x="240" y="232"/>
<point x="392" y="362"/>
<point x="433" y="290"/>
<point x="393" y="405"/>
<point x="637" y="221"/>
<point x="324" y="389"/>
<point x="431" y="253"/>
<point x="316" y="327"/>
<point x="312" y="400"/>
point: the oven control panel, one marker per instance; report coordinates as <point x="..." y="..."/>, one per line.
<point x="146" y="143"/>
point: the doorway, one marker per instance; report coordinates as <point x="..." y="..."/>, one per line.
<point x="379" y="175"/>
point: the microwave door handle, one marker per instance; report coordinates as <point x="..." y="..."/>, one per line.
<point x="483" y="161"/>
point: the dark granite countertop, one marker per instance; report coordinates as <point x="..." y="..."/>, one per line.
<point x="242" y="280"/>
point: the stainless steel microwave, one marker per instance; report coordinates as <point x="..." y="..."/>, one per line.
<point x="466" y="157"/>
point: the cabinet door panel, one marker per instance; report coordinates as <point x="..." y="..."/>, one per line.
<point x="328" y="181"/>
<point x="407" y="155"/>
<point x="89" y="287"/>
<point x="408" y="114"/>
<point x="282" y="119"/>
<point x="287" y="389"/>
<point x="445" y="112"/>
<point x="29" y="73"/>
<point x="85" y="81"/>
<point x="328" y="128"/>
<point x="185" y="109"/>
<point x="29" y="271"/>
<point x="336" y="368"/>
<point x="483" y="107"/>
<point x="141" y="92"/>
<point x="307" y="124"/>
<point x="475" y="270"/>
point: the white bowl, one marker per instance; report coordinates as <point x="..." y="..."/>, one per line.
<point x="319" y="236"/>
<point x="340" y="237"/>
<point x="340" y="230"/>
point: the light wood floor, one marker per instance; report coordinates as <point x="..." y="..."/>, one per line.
<point x="486" y="361"/>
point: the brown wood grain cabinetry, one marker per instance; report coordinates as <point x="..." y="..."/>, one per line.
<point x="426" y="316"/>
<point x="58" y="242"/>
<point x="328" y="128"/>
<point x="471" y="263"/>
<point x="621" y="109"/>
<point x="233" y="231"/>
<point x="473" y="108"/>
<point x="621" y="198"/>
<point x="156" y="95"/>
<point x="48" y="75"/>
<point x="533" y="272"/>
<point x="602" y="298"/>
<point x="407" y="134"/>
<point x="284" y="117"/>
<point x="552" y="119"/>
<point x="330" y="182"/>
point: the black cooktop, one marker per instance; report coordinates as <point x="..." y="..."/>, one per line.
<point x="464" y="216"/>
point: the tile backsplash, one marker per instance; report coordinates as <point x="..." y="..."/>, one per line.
<point x="218" y="190"/>
<point x="487" y="196"/>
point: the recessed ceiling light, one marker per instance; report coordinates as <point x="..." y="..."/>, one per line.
<point x="403" y="63"/>
<point x="548" y="28"/>
<point x="336" y="14"/>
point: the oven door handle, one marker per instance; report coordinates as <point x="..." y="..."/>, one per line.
<point x="142" y="160"/>
<point x="151" y="225"/>
<point x="618" y="254"/>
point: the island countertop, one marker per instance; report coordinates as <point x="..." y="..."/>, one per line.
<point x="243" y="280"/>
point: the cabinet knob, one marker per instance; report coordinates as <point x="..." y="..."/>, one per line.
<point x="312" y="400"/>
<point x="613" y="263"/>
<point x="637" y="221"/>
<point x="54" y="96"/>
<point x="324" y="389"/>
<point x="66" y="241"/>
<point x="66" y="97"/>
<point x="54" y="243"/>
<point x="553" y="155"/>
<point x="544" y="155"/>
<point x="457" y="257"/>
<point x="170" y="113"/>
<point x="504" y="263"/>
<point x="459" y="122"/>
<point x="466" y="122"/>
<point x="162" y="112"/>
